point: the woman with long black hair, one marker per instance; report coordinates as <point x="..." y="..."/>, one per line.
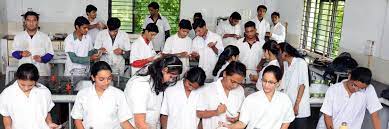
<point x="230" y="53"/>
<point x="295" y="83"/>
<point x="144" y="91"/>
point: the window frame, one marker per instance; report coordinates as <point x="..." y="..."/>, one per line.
<point x="133" y="15"/>
<point x="134" y="20"/>
<point x="312" y="32"/>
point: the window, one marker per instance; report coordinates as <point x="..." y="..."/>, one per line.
<point x="124" y="10"/>
<point x="322" y="26"/>
<point x="133" y="12"/>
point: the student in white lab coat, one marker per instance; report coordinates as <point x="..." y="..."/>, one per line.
<point x="272" y="55"/>
<point x="33" y="46"/>
<point x="101" y="106"/>
<point x="79" y="49"/>
<point x="250" y="48"/>
<point x="206" y="47"/>
<point x="230" y="53"/>
<point x="180" y="44"/>
<point x="142" y="50"/>
<point x="26" y="104"/>
<point x="192" y="33"/>
<point x="230" y="29"/>
<point x="115" y="45"/>
<point x="277" y="30"/>
<point x="295" y="83"/>
<point x="180" y="101"/>
<point x="161" y="22"/>
<point x="145" y="91"/>
<point x="267" y="108"/>
<point x="347" y="101"/>
<point x="95" y="23"/>
<point x="221" y="100"/>
<point x="261" y="23"/>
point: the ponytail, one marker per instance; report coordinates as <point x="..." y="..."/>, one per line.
<point x="274" y="48"/>
<point x="286" y="47"/>
<point x="228" y="52"/>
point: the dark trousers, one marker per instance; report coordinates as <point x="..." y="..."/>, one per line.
<point x="299" y="123"/>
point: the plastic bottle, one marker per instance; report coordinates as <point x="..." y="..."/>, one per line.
<point x="343" y="126"/>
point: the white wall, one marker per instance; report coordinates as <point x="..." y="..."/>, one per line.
<point x="55" y="15"/>
<point x="3" y="18"/>
<point x="3" y="30"/>
<point x="211" y="9"/>
<point x="291" y="11"/>
<point x="368" y="21"/>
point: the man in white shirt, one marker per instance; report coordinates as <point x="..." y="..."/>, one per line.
<point x="180" y="101"/>
<point x="142" y="50"/>
<point x="180" y="44"/>
<point x="79" y="49"/>
<point x="277" y="30"/>
<point x="262" y="25"/>
<point x="115" y="45"/>
<point x="206" y="47"/>
<point x="250" y="48"/>
<point x="348" y="100"/>
<point x="95" y="24"/>
<point x="230" y="30"/>
<point x="161" y="22"/>
<point x="33" y="46"/>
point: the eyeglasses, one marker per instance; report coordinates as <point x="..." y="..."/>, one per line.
<point x="269" y="82"/>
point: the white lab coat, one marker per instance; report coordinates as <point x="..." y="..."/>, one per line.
<point x="101" y="112"/>
<point x="259" y="82"/>
<point x="180" y="109"/>
<point x="278" y="32"/>
<point x="226" y="28"/>
<point x="250" y="56"/>
<point x="175" y="44"/>
<point x="295" y="75"/>
<point x="103" y="40"/>
<point x="26" y="112"/>
<point x="208" y="58"/>
<point x="40" y="44"/>
<point x="349" y="109"/>
<point x="142" y="99"/>
<point x="81" y="49"/>
<point x="163" y="25"/>
<point x="213" y="94"/>
<point x="262" y="27"/>
<point x="140" y="50"/>
<point x="258" y="112"/>
<point x="94" y="32"/>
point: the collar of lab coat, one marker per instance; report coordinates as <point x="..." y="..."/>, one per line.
<point x="75" y="36"/>
<point x="28" y="35"/>
<point x="147" y="42"/>
<point x="106" y="91"/>
<point x="220" y="91"/>
<point x="256" y="39"/>
<point x="21" y="92"/>
<point x="159" y="16"/>
<point x="206" y="36"/>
